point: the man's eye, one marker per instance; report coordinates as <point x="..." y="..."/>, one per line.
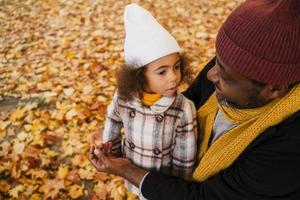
<point x="226" y="80"/>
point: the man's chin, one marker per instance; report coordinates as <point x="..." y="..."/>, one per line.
<point x="224" y="102"/>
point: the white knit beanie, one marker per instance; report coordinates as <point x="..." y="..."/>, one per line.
<point x="146" y="40"/>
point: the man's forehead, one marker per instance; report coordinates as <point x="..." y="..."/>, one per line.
<point x="221" y="63"/>
<point x="229" y="70"/>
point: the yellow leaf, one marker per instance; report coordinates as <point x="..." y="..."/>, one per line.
<point x="63" y="171"/>
<point x="30" y="189"/>
<point x="35" y="197"/>
<point x="75" y="191"/>
<point x="68" y="91"/>
<point x="18" y="147"/>
<point x="87" y="89"/>
<point x="29" y="181"/>
<point x="72" y="113"/>
<point x="102" y="98"/>
<point x="15" y="171"/>
<point x="80" y="160"/>
<point x="87" y="98"/>
<point x="58" y="115"/>
<point x="69" y="54"/>
<point x="5" y="148"/>
<point x="117" y="189"/>
<point x="2" y="134"/>
<point x="100" y="190"/>
<point x="86" y="173"/>
<point x="18" y="114"/>
<point x="131" y="196"/>
<point x="37" y="174"/>
<point x="22" y="136"/>
<point x="116" y="195"/>
<point x="4" y="124"/>
<point x="15" y="191"/>
<point x="37" y="127"/>
<point x="49" y="94"/>
<point x="50" y="153"/>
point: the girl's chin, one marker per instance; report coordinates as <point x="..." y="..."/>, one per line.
<point x="170" y="93"/>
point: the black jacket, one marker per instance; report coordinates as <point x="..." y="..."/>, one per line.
<point x="269" y="168"/>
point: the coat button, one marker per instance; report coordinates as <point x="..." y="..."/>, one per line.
<point x="132" y="114"/>
<point x="131" y="145"/>
<point x="156" y="151"/>
<point x="159" y="118"/>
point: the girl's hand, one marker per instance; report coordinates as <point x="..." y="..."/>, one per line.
<point x="96" y="162"/>
<point x="106" y="163"/>
<point x="117" y="166"/>
<point x="106" y="148"/>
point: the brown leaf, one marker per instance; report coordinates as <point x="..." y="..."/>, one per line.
<point x="4" y="186"/>
<point x="52" y="139"/>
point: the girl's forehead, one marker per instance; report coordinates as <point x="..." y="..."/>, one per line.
<point x="165" y="61"/>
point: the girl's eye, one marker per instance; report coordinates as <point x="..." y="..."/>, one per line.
<point x="162" y="72"/>
<point x="177" y="67"/>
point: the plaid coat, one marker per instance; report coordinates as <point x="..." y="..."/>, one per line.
<point x="162" y="137"/>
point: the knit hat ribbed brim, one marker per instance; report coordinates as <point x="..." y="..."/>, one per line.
<point x="261" y="40"/>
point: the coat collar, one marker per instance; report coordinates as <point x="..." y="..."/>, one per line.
<point x="159" y="106"/>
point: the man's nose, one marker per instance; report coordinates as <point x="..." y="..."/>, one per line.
<point x="213" y="74"/>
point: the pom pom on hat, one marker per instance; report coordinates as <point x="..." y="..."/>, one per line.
<point x="145" y="39"/>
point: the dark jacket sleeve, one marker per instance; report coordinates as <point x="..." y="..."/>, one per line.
<point x="267" y="169"/>
<point x="201" y="88"/>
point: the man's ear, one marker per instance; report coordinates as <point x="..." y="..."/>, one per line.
<point x="271" y="92"/>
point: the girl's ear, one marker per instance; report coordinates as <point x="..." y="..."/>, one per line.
<point x="273" y="91"/>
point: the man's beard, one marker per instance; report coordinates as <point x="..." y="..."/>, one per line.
<point x="255" y="100"/>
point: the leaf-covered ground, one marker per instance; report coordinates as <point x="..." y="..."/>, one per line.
<point x="57" y="64"/>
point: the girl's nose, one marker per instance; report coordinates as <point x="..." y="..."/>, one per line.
<point x="172" y="76"/>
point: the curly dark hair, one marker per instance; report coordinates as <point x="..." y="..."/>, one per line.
<point x="131" y="80"/>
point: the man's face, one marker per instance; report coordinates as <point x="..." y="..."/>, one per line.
<point x="233" y="89"/>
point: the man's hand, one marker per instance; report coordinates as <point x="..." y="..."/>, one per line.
<point x="118" y="166"/>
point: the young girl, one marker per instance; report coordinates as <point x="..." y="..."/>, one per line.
<point x="159" y="124"/>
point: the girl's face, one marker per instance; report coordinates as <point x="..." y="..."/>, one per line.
<point x="163" y="75"/>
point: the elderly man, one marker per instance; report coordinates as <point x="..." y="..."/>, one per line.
<point x="248" y="100"/>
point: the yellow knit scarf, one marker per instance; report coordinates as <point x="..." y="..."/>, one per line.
<point x="149" y="99"/>
<point x="250" y="124"/>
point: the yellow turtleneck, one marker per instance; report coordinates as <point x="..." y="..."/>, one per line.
<point x="149" y="99"/>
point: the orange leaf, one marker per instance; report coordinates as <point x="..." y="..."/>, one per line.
<point x="52" y="187"/>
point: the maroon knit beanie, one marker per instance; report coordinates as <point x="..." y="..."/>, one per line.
<point x="261" y="40"/>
